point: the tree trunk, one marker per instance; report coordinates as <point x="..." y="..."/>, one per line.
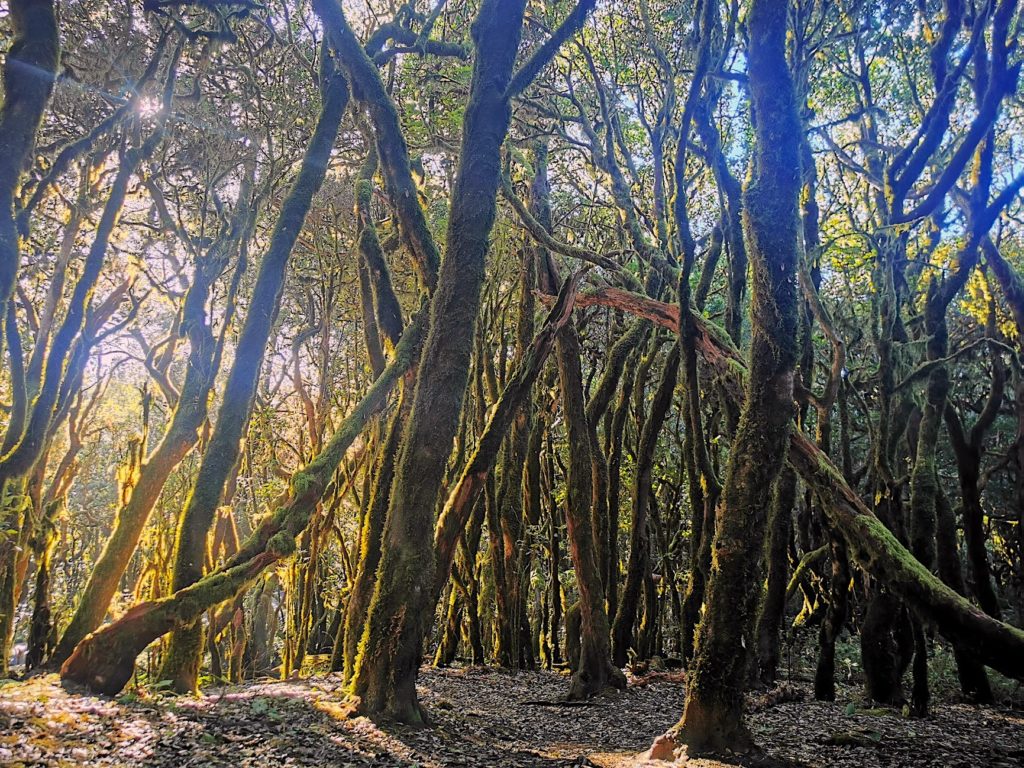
<point x="970" y="672"/>
<point x="595" y="670"/>
<point x="713" y="719"/>
<point x="403" y="600"/>
<point x="832" y="625"/>
<point x="104" y="660"/>
<point x="869" y="541"/>
<point x="640" y="554"/>
<point x="773" y="607"/>
<point x="351" y="630"/>
<point x="183" y="657"/>
<point x="29" y="73"/>
<point x="190" y="413"/>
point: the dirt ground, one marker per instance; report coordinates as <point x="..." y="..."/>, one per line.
<point x="482" y="717"/>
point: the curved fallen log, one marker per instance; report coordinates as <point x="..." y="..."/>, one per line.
<point x="871" y="545"/>
<point x="105" y="660"/>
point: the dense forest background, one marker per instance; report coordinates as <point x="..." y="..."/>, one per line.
<point x="594" y="335"/>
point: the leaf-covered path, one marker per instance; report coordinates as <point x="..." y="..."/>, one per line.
<point x="482" y="718"/>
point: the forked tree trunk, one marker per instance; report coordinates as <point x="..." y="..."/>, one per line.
<point x="403" y="600"/>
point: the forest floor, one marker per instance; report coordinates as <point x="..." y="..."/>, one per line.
<point x="482" y="717"/>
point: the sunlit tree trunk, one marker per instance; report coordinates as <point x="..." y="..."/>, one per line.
<point x="181" y="663"/>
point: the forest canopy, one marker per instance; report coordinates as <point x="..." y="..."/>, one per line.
<point x="343" y="337"/>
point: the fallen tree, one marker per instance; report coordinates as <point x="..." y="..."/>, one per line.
<point x="105" y="660"/>
<point x="871" y="545"/>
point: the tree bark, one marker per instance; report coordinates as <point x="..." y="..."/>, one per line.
<point x="183" y="657"/>
<point x="402" y="604"/>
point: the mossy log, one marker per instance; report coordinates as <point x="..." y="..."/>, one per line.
<point x="870" y="544"/>
<point x="104" y="660"/>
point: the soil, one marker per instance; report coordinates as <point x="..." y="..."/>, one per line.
<point x="481" y="717"/>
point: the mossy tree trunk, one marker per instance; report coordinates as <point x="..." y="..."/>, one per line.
<point x="595" y="670"/>
<point x="105" y="660"/>
<point x="773" y="606"/>
<point x="190" y="413"/>
<point x="403" y="600"/>
<point x="554" y="547"/>
<point x="870" y="543"/>
<point x="832" y="624"/>
<point x="614" y="438"/>
<point x="970" y="672"/>
<point x="967" y="448"/>
<point x="712" y="719"/>
<point x="182" y="660"/>
<point x="65" y="361"/>
<point x="351" y="629"/>
<point x="382" y="312"/>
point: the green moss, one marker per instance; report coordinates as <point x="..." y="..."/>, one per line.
<point x="302" y="481"/>
<point x="281" y="543"/>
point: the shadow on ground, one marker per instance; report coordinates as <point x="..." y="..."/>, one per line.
<point x="481" y="717"/>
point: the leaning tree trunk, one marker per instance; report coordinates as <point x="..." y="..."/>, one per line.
<point x="189" y="415"/>
<point x="105" y="660"/>
<point x="402" y="608"/>
<point x="870" y="543"/>
<point x="64" y="364"/>
<point x="183" y="657"/>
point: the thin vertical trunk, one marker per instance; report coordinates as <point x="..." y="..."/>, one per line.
<point x="351" y="629"/>
<point x="832" y="625"/>
<point x="640" y="554"/>
<point x="970" y="672"/>
<point x="595" y="670"/>
<point x="772" y="613"/>
<point x="615" y="437"/>
<point x="554" y="559"/>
